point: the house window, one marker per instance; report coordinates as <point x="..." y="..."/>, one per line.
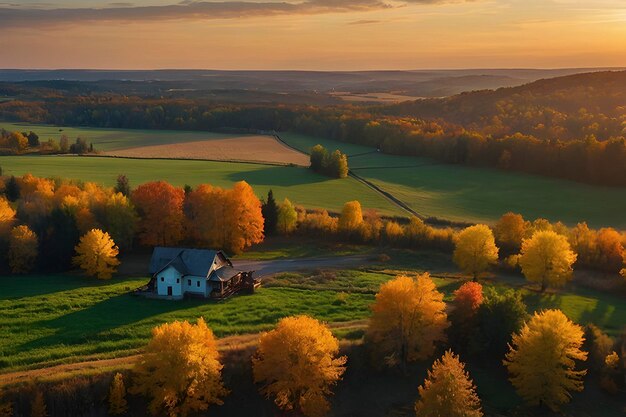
<point x="198" y="283"/>
<point x="178" y="280"/>
<point x="162" y="279"/>
<point x="189" y="282"/>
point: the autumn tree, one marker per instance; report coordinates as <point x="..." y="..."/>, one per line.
<point x="448" y="391"/>
<point x="475" y="249"/>
<point x="119" y="219"/>
<point x="547" y="258"/>
<point x="393" y="232"/>
<point x="351" y="217"/>
<point x="38" y="406"/>
<point x="117" y="396"/>
<point x="242" y="224"/>
<point x="7" y="217"/>
<point x="160" y="208"/>
<point x="23" y="249"/>
<point x="297" y="365"/>
<point x="17" y="141"/>
<point x="287" y="218"/>
<point x="269" y="209"/>
<point x="610" y="250"/>
<point x="96" y="254"/>
<point x="583" y="243"/>
<point x="510" y="231"/>
<point x="465" y="304"/>
<point x="542" y="358"/>
<point x="408" y="320"/>
<point x="180" y="370"/>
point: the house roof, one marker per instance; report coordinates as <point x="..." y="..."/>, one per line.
<point x="197" y="262"/>
<point x="223" y="274"/>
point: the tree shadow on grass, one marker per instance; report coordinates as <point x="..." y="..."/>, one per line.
<point x="15" y="287"/>
<point x="89" y="324"/>
<point x="278" y="176"/>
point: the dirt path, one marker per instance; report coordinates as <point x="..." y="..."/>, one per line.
<point x="228" y="343"/>
<point x="265" y="268"/>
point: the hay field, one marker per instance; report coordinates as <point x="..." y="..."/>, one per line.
<point x="243" y="148"/>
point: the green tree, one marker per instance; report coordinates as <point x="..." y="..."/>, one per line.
<point x="287" y="217"/>
<point x="318" y="154"/>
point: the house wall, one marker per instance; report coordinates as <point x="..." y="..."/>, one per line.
<point x="169" y="277"/>
<point x="190" y="284"/>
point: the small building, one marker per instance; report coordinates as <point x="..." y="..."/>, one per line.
<point x="179" y="272"/>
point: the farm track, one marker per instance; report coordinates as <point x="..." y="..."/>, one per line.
<point x="387" y="195"/>
<point x="225" y="344"/>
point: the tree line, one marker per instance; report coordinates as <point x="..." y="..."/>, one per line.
<point x="51" y="224"/>
<point x="575" y="142"/>
<point x="16" y="143"/>
<point x="43" y="220"/>
<point x="333" y="164"/>
<point x="298" y="364"/>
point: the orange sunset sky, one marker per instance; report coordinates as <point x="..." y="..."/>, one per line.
<point x="312" y="34"/>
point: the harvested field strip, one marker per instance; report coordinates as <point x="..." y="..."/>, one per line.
<point x="241" y="149"/>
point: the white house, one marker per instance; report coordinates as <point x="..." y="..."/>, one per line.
<point x="180" y="272"/>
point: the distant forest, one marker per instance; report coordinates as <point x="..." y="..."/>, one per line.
<point x="571" y="127"/>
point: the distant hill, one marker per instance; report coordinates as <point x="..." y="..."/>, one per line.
<point x="261" y="85"/>
<point x="569" y="107"/>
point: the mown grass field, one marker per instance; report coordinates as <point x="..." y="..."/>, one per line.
<point x="300" y="185"/>
<point x="469" y="194"/>
<point x="68" y="318"/>
<point x="114" y="139"/>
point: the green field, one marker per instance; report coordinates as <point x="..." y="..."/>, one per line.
<point x="114" y="139"/>
<point x="300" y="185"/>
<point x="450" y="192"/>
<point x="462" y="193"/>
<point x="59" y="318"/>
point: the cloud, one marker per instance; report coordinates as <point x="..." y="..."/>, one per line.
<point x="364" y="22"/>
<point x="188" y="9"/>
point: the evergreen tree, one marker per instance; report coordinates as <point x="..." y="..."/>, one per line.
<point x="270" y="213"/>
<point x="123" y="185"/>
<point x="12" y="189"/>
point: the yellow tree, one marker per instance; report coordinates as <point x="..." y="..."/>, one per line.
<point x="297" y="365"/>
<point x="510" y="230"/>
<point x="408" y="319"/>
<point x="38" y="406"/>
<point x="180" y="370"/>
<point x="547" y="258"/>
<point x="475" y="249"/>
<point x="351" y="216"/>
<point x="7" y="217"/>
<point x="96" y="254"/>
<point x="542" y="357"/>
<point x="287" y="217"/>
<point x="22" y="249"/>
<point x="448" y="391"/>
<point x="117" y="396"/>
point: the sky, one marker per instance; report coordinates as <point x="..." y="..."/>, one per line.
<point x="312" y="34"/>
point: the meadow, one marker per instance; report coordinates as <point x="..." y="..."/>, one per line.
<point x="451" y="192"/>
<point x="51" y="319"/>
<point x="469" y="194"/>
<point x="300" y="185"/>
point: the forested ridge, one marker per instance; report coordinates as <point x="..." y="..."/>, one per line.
<point x="570" y="127"/>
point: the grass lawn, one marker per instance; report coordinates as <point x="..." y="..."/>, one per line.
<point x="59" y="318"/>
<point x="463" y="193"/>
<point x="300" y="185"/>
